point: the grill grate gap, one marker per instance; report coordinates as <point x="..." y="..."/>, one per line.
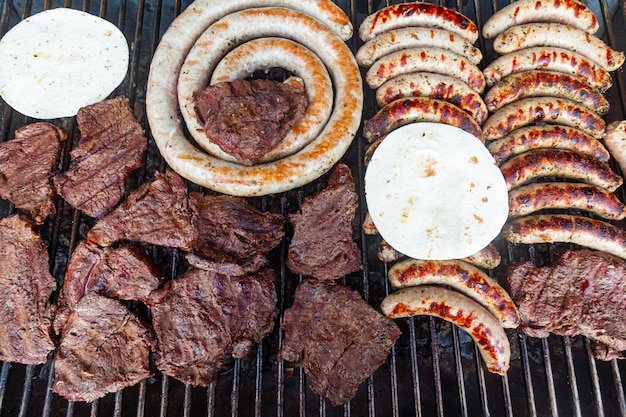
<point x="595" y="381"/>
<point x="549" y="377"/>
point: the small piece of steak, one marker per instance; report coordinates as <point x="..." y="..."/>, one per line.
<point x="233" y="237"/>
<point x="104" y="348"/>
<point x="26" y="285"/>
<point x="124" y="272"/>
<point x="582" y="293"/>
<point x="112" y="145"/>
<point x="337" y="337"/>
<point x="322" y="246"/>
<point x="247" y="119"/>
<point x="156" y="213"/>
<point x="201" y="316"/>
<point x="26" y="168"/>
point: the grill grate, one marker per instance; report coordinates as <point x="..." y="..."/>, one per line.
<point x="434" y="369"/>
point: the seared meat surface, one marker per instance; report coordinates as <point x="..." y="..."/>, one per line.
<point x="111" y="146"/>
<point x="337" y="337"/>
<point x="26" y="168"/>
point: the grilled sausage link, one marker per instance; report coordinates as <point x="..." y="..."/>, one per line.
<point x="570" y="12"/>
<point x="535" y="83"/>
<point x="426" y="84"/>
<point x="561" y="36"/>
<point x="542" y="109"/>
<point x="539" y="163"/>
<point x="579" y="230"/>
<point x="615" y="141"/>
<point x="428" y="59"/>
<point x="418" y="109"/>
<point x="531" y="198"/>
<point x="551" y="59"/>
<point x="386" y="252"/>
<point x="417" y="14"/>
<point x="486" y="258"/>
<point x="482" y="326"/>
<point x="462" y="277"/>
<point x="548" y="136"/>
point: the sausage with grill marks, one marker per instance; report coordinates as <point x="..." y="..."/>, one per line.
<point x="615" y="141"/>
<point x="584" y="231"/>
<point x="452" y="306"/>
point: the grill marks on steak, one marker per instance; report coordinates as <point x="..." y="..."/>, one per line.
<point x="104" y="348"/>
<point x="322" y="245"/>
<point x="233" y="237"/>
<point x="201" y="316"/>
<point x="25" y="289"/>
<point x="247" y="119"/>
<point x="111" y="146"/>
<point x="26" y="167"/>
<point x="582" y="293"/>
<point x="339" y="339"/>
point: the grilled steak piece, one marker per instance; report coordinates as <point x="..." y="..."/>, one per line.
<point x="125" y="272"/>
<point x="111" y="146"/>
<point x="25" y="288"/>
<point x="322" y="245"/>
<point x="337" y="337"/>
<point x="582" y="293"/>
<point x="156" y="213"/>
<point x="247" y="119"/>
<point x="233" y="237"/>
<point x="26" y="168"/>
<point x="201" y="316"/>
<point x="104" y="348"/>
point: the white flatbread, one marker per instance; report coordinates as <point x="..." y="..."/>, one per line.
<point x="59" y="60"/>
<point x="435" y="192"/>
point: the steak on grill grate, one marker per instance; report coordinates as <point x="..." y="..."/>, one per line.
<point x="201" y="316"/>
<point x="337" y="337"/>
<point x="26" y="168"/>
<point x="582" y="293"/>
<point x="111" y="146"/>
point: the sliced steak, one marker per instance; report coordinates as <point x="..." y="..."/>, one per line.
<point x="111" y="146"/>
<point x="125" y="272"/>
<point x="200" y="316"/>
<point x="337" y="337"/>
<point x="322" y="246"/>
<point x="247" y="119"/>
<point x="26" y="168"/>
<point x="25" y="289"/>
<point x="233" y="237"/>
<point x="104" y="348"/>
<point x="582" y="293"/>
<point x="156" y="213"/>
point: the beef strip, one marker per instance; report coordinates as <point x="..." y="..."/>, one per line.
<point x="337" y="337"/>
<point x="125" y="272"/>
<point x="233" y="237"/>
<point x="104" y="348"/>
<point x="112" y="145"/>
<point x="582" y="293"/>
<point x="247" y="119"/>
<point x="156" y="213"/>
<point x="26" y="285"/>
<point x="26" y="168"/>
<point x="322" y="245"/>
<point x="201" y="316"/>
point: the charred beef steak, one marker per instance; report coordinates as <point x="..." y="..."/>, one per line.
<point x="233" y="237"/>
<point x="247" y="119"/>
<point x="25" y="289"/>
<point x="111" y="146"/>
<point x="156" y="213"/>
<point x="582" y="293"/>
<point x="322" y="245"/>
<point x="26" y="168"/>
<point x="201" y="316"/>
<point x="337" y="337"/>
<point x="104" y="348"/>
<point x="125" y="272"/>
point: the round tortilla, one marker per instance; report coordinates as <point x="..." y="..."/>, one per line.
<point x="59" y="60"/>
<point x="435" y="192"/>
